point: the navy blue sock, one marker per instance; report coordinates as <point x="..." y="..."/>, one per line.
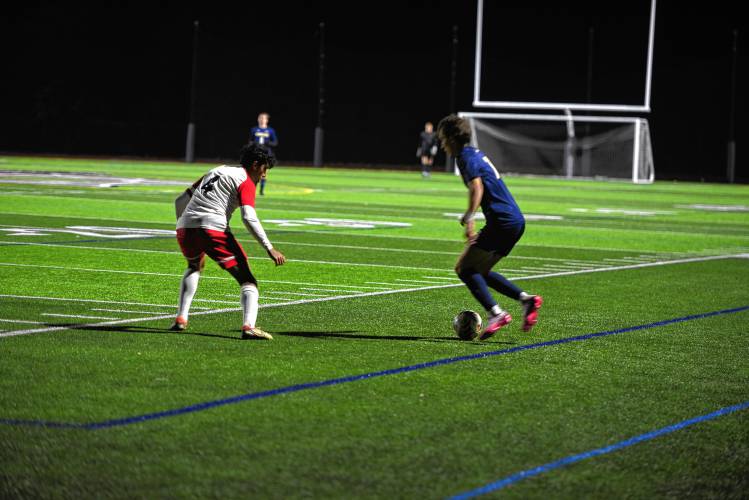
<point x="262" y="185"/>
<point x="477" y="286"/>
<point x="503" y="285"/>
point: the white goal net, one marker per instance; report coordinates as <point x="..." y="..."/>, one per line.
<point x="566" y="146"/>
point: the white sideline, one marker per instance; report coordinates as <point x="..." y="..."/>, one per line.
<point x="360" y="295"/>
<point x="335" y="233"/>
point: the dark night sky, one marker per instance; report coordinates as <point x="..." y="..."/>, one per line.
<point x="113" y="78"/>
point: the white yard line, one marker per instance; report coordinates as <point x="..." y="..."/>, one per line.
<point x="372" y="294"/>
<point x="384" y="283"/>
<point x="116" y="271"/>
<point x="125" y="311"/>
<point x="432" y="282"/>
<point x="324" y="284"/>
<point x="80" y="316"/>
<point x="551" y="259"/>
<point x="303" y="294"/>
<point x="625" y="260"/>
<point x="263" y="297"/>
<point x="95" y="301"/>
<point x="587" y="265"/>
<point x="632" y="266"/>
<point x="21" y="321"/>
<point x="86" y="247"/>
<point x="556" y="267"/>
<point x="336" y="233"/>
<point x="533" y="270"/>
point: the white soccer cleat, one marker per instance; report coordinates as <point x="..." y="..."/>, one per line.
<point x="250" y="333"/>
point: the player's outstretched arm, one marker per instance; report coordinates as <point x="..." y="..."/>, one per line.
<point x="252" y="223"/>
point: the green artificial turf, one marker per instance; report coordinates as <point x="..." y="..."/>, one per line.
<point x="99" y="400"/>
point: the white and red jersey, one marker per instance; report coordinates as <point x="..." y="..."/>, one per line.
<point x="215" y="198"/>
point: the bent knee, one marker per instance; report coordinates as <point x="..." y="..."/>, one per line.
<point x="196" y="264"/>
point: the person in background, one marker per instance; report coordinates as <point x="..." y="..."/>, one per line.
<point x="427" y="149"/>
<point x="265" y="137"/>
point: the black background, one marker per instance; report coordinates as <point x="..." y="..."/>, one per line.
<point x="113" y="78"/>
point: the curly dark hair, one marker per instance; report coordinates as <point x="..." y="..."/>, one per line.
<point x="252" y="153"/>
<point x="455" y="130"/>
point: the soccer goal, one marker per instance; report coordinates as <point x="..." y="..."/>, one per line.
<point x="564" y="145"/>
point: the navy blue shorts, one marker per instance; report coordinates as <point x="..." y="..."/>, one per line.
<point x="498" y="239"/>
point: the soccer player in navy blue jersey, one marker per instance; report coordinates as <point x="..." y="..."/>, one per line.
<point x="265" y="137"/>
<point x="504" y="227"/>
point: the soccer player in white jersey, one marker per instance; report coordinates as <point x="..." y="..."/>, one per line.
<point x="203" y="214"/>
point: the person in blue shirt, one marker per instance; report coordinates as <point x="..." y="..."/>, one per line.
<point x="265" y="137"/>
<point x="504" y="227"/>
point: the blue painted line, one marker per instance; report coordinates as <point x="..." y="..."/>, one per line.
<point x="354" y="378"/>
<point x="519" y="476"/>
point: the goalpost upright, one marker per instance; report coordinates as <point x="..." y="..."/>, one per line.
<point x="642" y="169"/>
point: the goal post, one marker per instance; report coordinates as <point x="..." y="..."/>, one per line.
<point x="565" y="145"/>
<point x="484" y="48"/>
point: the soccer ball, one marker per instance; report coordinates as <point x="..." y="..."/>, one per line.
<point x="467" y="325"/>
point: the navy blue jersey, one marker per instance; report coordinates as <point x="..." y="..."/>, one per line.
<point x="265" y="137"/>
<point x="497" y="203"/>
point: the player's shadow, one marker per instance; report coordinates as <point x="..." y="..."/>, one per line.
<point x="163" y="331"/>
<point x="342" y="334"/>
<point x="355" y="335"/>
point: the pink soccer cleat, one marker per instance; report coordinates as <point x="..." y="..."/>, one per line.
<point x="494" y="324"/>
<point x="530" y="311"/>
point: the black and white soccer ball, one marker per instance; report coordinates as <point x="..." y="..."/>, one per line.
<point x="467" y="325"/>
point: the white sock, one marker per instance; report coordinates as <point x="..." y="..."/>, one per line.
<point x="249" y="298"/>
<point x="187" y="291"/>
<point x="525" y="296"/>
<point x="496" y="311"/>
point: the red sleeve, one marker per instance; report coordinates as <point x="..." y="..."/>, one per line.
<point x="246" y="192"/>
